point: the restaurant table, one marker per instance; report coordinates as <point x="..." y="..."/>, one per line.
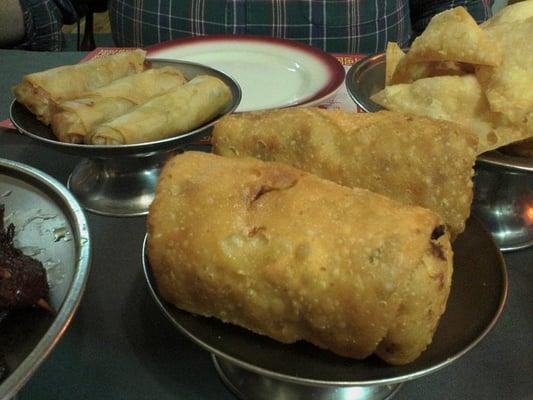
<point x="120" y="346"/>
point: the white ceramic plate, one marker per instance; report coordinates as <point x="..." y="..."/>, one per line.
<point x="272" y="73"/>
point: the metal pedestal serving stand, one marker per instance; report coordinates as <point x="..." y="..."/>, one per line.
<point x="257" y="367"/>
<point x="119" y="180"/>
<point x="504" y="198"/>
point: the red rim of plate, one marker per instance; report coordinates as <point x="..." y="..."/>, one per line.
<point x="334" y="67"/>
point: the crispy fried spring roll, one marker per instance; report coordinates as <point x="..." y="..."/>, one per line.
<point x="41" y="91"/>
<point x="181" y="110"/>
<point x="286" y="254"/>
<point x="75" y="118"/>
<point x="414" y="160"/>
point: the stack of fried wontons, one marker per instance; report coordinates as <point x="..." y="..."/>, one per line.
<point x="479" y="76"/>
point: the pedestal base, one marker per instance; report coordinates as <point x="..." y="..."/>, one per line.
<point x="248" y="385"/>
<point x="504" y="202"/>
<point x="121" y="187"/>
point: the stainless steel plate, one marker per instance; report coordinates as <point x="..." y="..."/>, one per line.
<point x="479" y="273"/>
<point x="364" y="78"/>
<point x="51" y="227"/>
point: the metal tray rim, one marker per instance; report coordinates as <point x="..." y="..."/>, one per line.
<point x="14" y="382"/>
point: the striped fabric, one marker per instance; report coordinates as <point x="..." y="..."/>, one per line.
<point x="43" y="20"/>
<point x="338" y="26"/>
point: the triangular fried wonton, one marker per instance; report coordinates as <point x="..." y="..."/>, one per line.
<point x="509" y="86"/>
<point x="406" y="72"/>
<point x="453" y="35"/>
<point x="453" y="98"/>
<point x="393" y="55"/>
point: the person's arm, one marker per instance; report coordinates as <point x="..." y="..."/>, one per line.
<point x="11" y="23"/>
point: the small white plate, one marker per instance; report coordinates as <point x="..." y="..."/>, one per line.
<point x="272" y="73"/>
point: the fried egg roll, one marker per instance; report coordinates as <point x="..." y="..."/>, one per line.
<point x="178" y="111"/>
<point x="40" y="92"/>
<point x="414" y="160"/>
<point x="75" y="118"/>
<point x="286" y="254"/>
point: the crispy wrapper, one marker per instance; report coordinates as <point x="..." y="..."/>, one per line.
<point x="180" y="110"/>
<point x="453" y="35"/>
<point x="509" y="86"/>
<point x="414" y="160"/>
<point x="75" y="118"/>
<point x="289" y="255"/>
<point x="407" y="72"/>
<point x="393" y="55"/>
<point x="40" y="92"/>
<point x="453" y="98"/>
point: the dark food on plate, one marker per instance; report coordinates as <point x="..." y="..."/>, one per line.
<point x="75" y="118"/>
<point x="413" y="160"/>
<point x="40" y="92"/>
<point x="478" y="76"/>
<point x="23" y="280"/>
<point x="177" y="111"/>
<point x="287" y="254"/>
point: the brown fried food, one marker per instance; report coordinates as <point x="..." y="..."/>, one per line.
<point x="393" y="56"/>
<point x="292" y="256"/>
<point x="509" y="86"/>
<point x="453" y="35"/>
<point x="407" y="72"/>
<point x="182" y="109"/>
<point x="414" y="160"/>
<point x="453" y="98"/>
<point x="75" y="118"/>
<point x="40" y="92"/>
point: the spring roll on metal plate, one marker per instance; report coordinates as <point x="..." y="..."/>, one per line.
<point x="75" y="118"/>
<point x="286" y="254"/>
<point x="40" y="92"/>
<point x="178" y="111"/>
<point x="414" y="160"/>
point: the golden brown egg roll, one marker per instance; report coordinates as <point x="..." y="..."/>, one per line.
<point x="75" y="118"/>
<point x="414" y="160"/>
<point x="286" y="254"/>
<point x="41" y="91"/>
<point x="178" y="111"/>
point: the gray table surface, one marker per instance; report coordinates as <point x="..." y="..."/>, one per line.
<point x="119" y="345"/>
